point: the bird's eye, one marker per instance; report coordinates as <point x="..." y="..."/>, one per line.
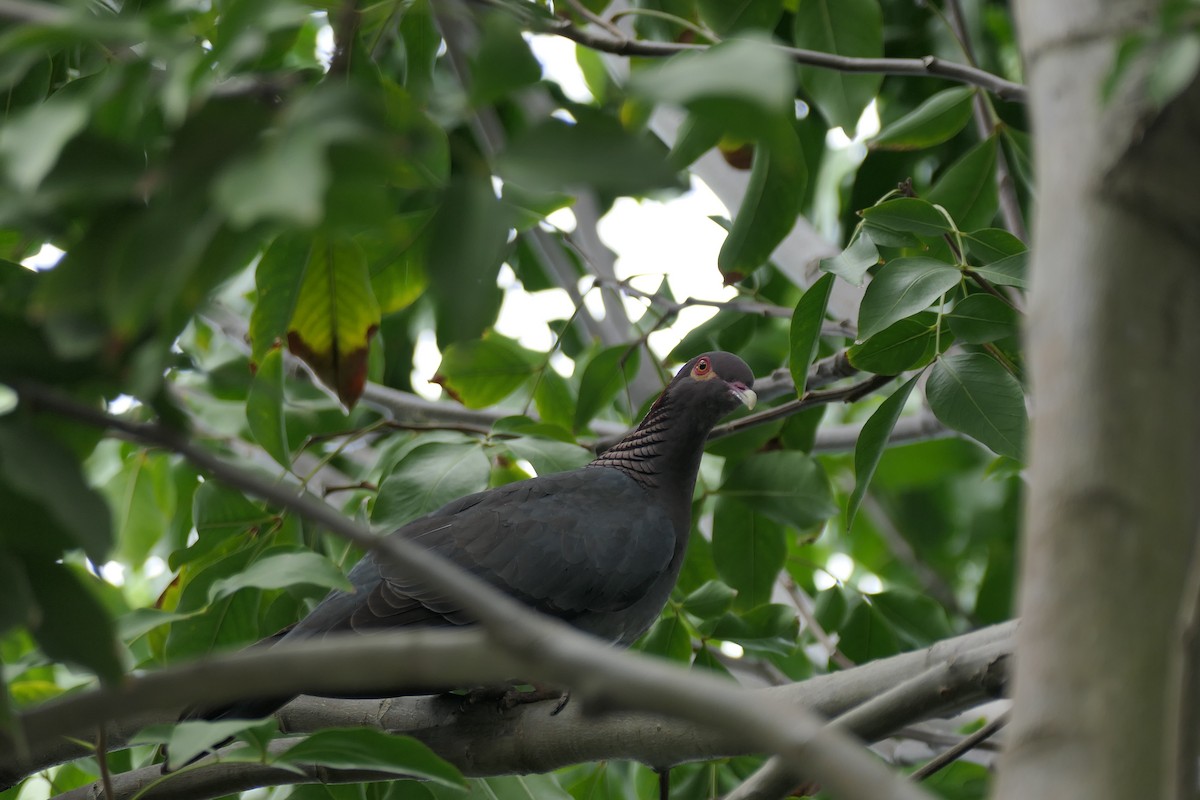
<point x="702" y="367"/>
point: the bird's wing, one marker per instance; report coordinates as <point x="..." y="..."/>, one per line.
<point x="584" y="541"/>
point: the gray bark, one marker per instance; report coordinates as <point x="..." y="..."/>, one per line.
<point x="1114" y="341"/>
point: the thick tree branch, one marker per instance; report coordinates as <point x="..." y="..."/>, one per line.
<point x="562" y="655"/>
<point x="884" y="713"/>
<point x="481" y="740"/>
<point x="929" y="66"/>
<point x="477" y="738"/>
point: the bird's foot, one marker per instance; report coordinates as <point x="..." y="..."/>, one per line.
<point x="519" y="696"/>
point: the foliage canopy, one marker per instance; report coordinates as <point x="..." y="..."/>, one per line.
<point x="233" y="203"/>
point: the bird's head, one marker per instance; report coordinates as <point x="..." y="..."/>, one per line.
<point x="714" y="384"/>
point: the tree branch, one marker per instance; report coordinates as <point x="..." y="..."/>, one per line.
<point x="882" y="714"/>
<point x="928" y="66"/>
<point x="477" y="739"/>
<point x="557" y="653"/>
<point x="528" y="739"/>
<point x="952" y="754"/>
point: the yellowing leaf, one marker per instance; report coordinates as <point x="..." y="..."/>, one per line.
<point x="335" y="316"/>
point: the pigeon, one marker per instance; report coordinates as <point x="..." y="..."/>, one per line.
<point x="599" y="547"/>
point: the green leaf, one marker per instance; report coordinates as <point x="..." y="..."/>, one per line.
<point x="769" y="208"/>
<point x="743" y="77"/>
<point x="724" y="17"/>
<point x="906" y="344"/>
<point x="47" y="474"/>
<point x="549" y="455"/>
<point x="786" y="486"/>
<point x="669" y="637"/>
<point x="481" y="372"/>
<point x="281" y="571"/>
<point x="852" y="263"/>
<point x="142" y="498"/>
<point x="502" y="62"/>
<point x="596" y="151"/>
<point x="430" y="476"/>
<point x="335" y="317"/>
<point x="867" y="635"/>
<point x="967" y="189"/>
<point x="902" y="287"/>
<point x="554" y="400"/>
<point x="32" y="140"/>
<point x="195" y="737"/>
<point x="917" y="619"/>
<point x="909" y="214"/>
<point x="468" y="240"/>
<point x="973" y="394"/>
<point x="1009" y="271"/>
<point x="982" y="318"/>
<point x="609" y="372"/>
<point x="17" y="608"/>
<point x="749" y="550"/>
<point x="71" y="624"/>
<point x="844" y="28"/>
<point x="219" y="512"/>
<point x="992" y="244"/>
<point x="712" y="599"/>
<point x="277" y="279"/>
<point x="872" y="441"/>
<point x="936" y="120"/>
<point x="805" y="336"/>
<point x="285" y="183"/>
<point x="758" y="627"/>
<point x="366" y="749"/>
<point x="264" y="408"/>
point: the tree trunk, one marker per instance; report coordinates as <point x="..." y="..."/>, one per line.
<point x="1114" y="335"/>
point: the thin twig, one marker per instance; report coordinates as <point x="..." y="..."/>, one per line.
<point x="740" y="306"/>
<point x="583" y="11"/>
<point x="985" y="124"/>
<point x="847" y="394"/>
<point x="803" y="604"/>
<point x="954" y="753"/>
<point x="102" y="761"/>
<point x="928" y="66"/>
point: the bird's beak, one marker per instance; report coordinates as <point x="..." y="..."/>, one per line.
<point x="745" y="394"/>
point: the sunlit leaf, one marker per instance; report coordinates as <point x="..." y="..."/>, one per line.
<point x="281" y="571"/>
<point x="482" y="372"/>
<point x="936" y="120"/>
<point x="335" y="317"/>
